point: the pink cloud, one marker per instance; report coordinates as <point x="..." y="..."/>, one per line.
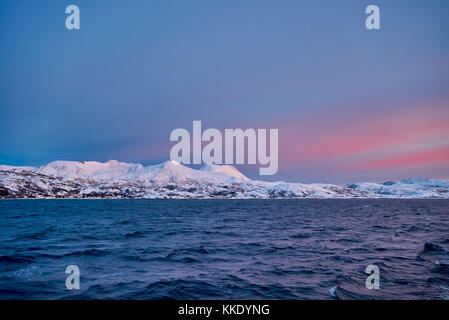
<point x="409" y="159"/>
<point x="353" y="137"/>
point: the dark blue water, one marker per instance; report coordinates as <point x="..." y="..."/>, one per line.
<point x="232" y="249"/>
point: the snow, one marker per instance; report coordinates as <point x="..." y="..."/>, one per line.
<point x="9" y="168"/>
<point x="111" y="170"/>
<point x="407" y="188"/>
<point x="228" y="170"/>
<point x="174" y="180"/>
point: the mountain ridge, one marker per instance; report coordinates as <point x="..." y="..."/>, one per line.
<point x="172" y="180"/>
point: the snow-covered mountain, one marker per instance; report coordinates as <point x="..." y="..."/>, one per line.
<point x="407" y="188"/>
<point x="171" y="179"/>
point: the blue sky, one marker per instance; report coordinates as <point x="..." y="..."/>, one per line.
<point x="136" y="70"/>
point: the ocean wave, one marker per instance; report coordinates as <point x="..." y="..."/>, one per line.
<point x="16" y="259"/>
<point x="292" y="249"/>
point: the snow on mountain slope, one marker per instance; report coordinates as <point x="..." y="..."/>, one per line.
<point x="173" y="180"/>
<point x="6" y="168"/>
<point x="407" y="188"/>
<point x="76" y="170"/>
<point x="112" y="170"/>
<point x="227" y="170"/>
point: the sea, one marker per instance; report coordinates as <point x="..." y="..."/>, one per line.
<point x="224" y="249"/>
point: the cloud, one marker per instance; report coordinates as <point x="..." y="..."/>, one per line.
<point x="368" y="137"/>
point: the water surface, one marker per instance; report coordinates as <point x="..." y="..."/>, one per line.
<point x="224" y="249"/>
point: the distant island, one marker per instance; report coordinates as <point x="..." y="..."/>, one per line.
<point x="172" y="180"/>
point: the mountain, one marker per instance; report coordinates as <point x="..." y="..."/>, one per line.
<point x="407" y="188"/>
<point x="225" y="169"/>
<point x="113" y="179"/>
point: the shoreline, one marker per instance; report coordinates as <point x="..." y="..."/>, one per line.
<point x="304" y="198"/>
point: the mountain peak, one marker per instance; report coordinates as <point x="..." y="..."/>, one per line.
<point x="171" y="163"/>
<point x="228" y="170"/>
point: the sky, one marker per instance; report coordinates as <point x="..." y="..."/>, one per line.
<point x="350" y="104"/>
